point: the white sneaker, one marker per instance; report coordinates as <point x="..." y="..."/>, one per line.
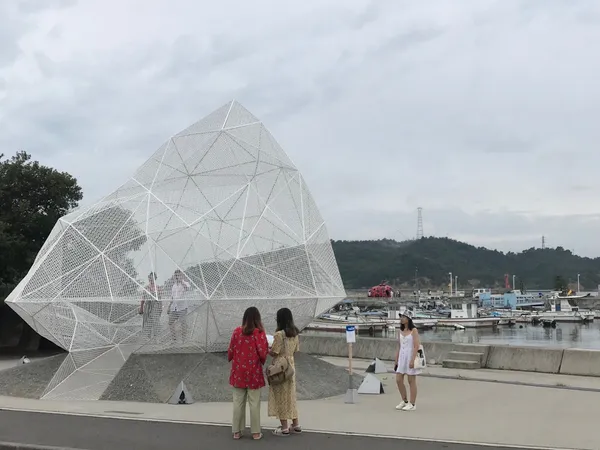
<point x="409" y="407"/>
<point x="401" y="406"/>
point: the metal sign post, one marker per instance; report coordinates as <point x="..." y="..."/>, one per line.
<point x="351" y="394"/>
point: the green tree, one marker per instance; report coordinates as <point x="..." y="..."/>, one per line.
<point x="560" y="284"/>
<point x="32" y="198"/>
<point x="365" y="263"/>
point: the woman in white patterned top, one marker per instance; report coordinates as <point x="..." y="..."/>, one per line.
<point x="408" y="347"/>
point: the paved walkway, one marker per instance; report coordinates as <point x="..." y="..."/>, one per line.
<point x="448" y="409"/>
<point x="89" y="433"/>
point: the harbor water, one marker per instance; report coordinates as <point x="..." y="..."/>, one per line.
<point x="565" y="335"/>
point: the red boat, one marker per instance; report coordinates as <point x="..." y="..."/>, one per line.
<point x="381" y="290"/>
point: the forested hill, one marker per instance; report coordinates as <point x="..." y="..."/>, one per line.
<point x="365" y="263"/>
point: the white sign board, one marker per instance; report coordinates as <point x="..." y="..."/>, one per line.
<point x="350" y="334"/>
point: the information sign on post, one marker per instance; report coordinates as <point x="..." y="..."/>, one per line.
<point x="350" y="334"/>
<point x="350" y="339"/>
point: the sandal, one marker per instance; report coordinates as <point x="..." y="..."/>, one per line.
<point x="280" y="432"/>
<point x="237" y="436"/>
<point x="257" y="437"/>
<point x="297" y="429"/>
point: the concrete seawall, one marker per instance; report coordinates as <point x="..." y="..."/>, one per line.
<point x="507" y="357"/>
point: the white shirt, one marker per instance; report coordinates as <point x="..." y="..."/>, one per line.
<point x="177" y="292"/>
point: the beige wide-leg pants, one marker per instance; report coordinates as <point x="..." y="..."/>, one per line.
<point x="240" y="397"/>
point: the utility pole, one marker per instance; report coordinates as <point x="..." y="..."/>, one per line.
<point x="419" y="223"/>
<point x="543" y="242"/>
<point x="578" y="290"/>
<point x="514" y="276"/>
<point x="417" y="280"/>
<point x="450" y="273"/>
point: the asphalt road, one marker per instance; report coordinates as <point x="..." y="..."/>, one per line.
<point x="91" y="433"/>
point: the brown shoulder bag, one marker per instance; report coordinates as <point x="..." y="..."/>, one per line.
<point x="280" y="370"/>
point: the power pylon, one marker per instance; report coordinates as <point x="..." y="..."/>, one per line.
<point x="419" y="223"/>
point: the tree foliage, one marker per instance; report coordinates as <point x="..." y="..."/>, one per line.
<point x="560" y="284"/>
<point x="32" y="198"/>
<point x="365" y="263"/>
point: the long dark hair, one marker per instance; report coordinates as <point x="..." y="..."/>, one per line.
<point x="411" y="325"/>
<point x="251" y="321"/>
<point x="285" y="322"/>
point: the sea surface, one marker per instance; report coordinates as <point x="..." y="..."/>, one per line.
<point x="565" y="335"/>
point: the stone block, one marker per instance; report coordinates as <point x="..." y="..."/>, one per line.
<point x="436" y="352"/>
<point x="528" y="359"/>
<point x="581" y="362"/>
<point x="466" y="356"/>
<point x="367" y="348"/>
<point x="458" y="364"/>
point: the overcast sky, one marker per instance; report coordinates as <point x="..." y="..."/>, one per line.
<point x="484" y="113"/>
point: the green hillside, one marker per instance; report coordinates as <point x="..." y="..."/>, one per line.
<point x="365" y="263"/>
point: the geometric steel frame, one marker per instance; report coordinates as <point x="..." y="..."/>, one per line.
<point x="218" y="219"/>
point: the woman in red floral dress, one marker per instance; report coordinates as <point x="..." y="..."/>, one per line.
<point x="247" y="352"/>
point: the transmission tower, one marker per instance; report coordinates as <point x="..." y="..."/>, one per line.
<point x="419" y="223"/>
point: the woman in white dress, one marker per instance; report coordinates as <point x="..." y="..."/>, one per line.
<point x="408" y="346"/>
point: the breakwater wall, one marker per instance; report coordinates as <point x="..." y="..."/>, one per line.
<point x="507" y="357"/>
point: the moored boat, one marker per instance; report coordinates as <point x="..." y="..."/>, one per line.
<point x="466" y="314"/>
<point x="366" y="327"/>
<point x="564" y="309"/>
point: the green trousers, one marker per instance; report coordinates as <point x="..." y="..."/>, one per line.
<point x="240" y="397"/>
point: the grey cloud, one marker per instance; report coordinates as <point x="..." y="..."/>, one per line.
<point x="367" y="16"/>
<point x="581" y="187"/>
<point x="374" y="132"/>
<point x="15" y="23"/>
<point x="45" y="64"/>
<point x="408" y="39"/>
<point x="11" y="29"/>
<point x="34" y="6"/>
<point x="55" y="32"/>
<point x="501" y="144"/>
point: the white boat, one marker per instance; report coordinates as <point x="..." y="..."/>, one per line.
<point x="564" y="309"/>
<point x="466" y="314"/>
<point x="422" y="323"/>
<point x="345" y="318"/>
<point x="369" y="327"/>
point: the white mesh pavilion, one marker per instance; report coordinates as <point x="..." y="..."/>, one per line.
<point x="220" y="202"/>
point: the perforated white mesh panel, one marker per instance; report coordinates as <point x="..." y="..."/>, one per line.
<point x="220" y="202"/>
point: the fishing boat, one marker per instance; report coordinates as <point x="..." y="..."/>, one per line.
<point x="466" y="314"/>
<point x="369" y="327"/>
<point x="422" y="323"/>
<point x="564" y="309"/>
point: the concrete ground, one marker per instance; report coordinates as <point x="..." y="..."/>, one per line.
<point x="454" y="410"/>
<point x="67" y="432"/>
<point x="9" y="363"/>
